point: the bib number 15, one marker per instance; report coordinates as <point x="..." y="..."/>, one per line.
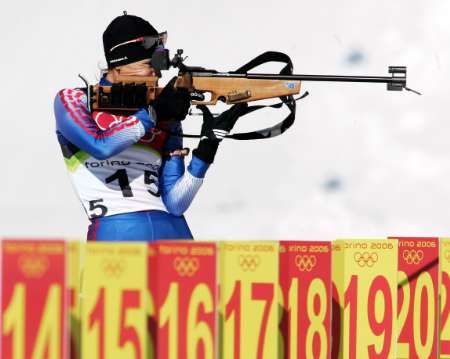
<point x="150" y="179"/>
<point x="98" y="209"/>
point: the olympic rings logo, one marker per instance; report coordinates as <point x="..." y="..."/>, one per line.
<point x="305" y="263"/>
<point x="249" y="262"/>
<point x="366" y="259"/>
<point x="412" y="256"/>
<point x="186" y="266"/>
<point x="113" y="268"/>
<point x="33" y="266"/>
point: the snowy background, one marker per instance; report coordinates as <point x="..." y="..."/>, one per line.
<point x="359" y="161"/>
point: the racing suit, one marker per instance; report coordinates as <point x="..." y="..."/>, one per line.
<point x="128" y="187"/>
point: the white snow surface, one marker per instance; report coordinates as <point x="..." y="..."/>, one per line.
<point x="359" y="161"/>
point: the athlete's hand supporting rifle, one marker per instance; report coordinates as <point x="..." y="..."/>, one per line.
<point x="172" y="103"/>
<point x="214" y="130"/>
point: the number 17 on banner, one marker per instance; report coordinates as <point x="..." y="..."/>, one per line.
<point x="248" y="300"/>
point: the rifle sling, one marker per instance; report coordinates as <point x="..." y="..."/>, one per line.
<point x="289" y="101"/>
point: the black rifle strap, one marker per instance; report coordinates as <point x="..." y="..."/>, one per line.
<point x="289" y="101"/>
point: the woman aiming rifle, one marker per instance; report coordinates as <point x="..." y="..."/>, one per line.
<point x="128" y="173"/>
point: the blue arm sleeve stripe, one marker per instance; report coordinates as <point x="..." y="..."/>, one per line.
<point x="180" y="197"/>
<point x="172" y="170"/>
<point x="179" y="187"/>
<point x="197" y="167"/>
<point x="75" y="123"/>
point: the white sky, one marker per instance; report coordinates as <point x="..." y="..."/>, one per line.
<point x="385" y="152"/>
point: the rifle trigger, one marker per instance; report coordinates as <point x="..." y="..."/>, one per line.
<point x="197" y="96"/>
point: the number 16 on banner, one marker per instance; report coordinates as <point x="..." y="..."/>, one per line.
<point x="182" y="288"/>
<point x="365" y="294"/>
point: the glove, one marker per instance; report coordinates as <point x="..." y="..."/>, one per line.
<point x="172" y="103"/>
<point x="214" y="130"/>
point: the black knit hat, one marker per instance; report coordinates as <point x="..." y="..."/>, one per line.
<point x="122" y="31"/>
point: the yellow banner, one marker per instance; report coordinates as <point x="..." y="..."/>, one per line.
<point x="444" y="344"/>
<point x="114" y="322"/>
<point x="248" y="303"/>
<point x="74" y="249"/>
<point x="365" y="286"/>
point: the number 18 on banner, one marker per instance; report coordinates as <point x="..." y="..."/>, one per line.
<point x="305" y="281"/>
<point x="364" y="299"/>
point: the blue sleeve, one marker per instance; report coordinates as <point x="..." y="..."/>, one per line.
<point x="76" y="124"/>
<point x="178" y="187"/>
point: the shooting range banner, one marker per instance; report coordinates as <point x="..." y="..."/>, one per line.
<point x="364" y="299"/>
<point x="305" y="281"/>
<point x="33" y="299"/>
<point x="182" y="284"/>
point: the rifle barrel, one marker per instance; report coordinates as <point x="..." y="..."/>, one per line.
<point x="331" y="78"/>
<point x="396" y="81"/>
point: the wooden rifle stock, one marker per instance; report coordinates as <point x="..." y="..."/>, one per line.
<point x="133" y="92"/>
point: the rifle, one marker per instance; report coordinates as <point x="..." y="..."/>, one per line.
<point x="129" y="93"/>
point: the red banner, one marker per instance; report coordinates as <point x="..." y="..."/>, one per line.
<point x="33" y="299"/>
<point x="418" y="305"/>
<point x="305" y="280"/>
<point x="182" y="283"/>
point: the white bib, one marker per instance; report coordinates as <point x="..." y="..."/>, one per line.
<point x="126" y="182"/>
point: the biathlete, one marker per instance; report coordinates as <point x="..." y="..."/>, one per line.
<point x="127" y="171"/>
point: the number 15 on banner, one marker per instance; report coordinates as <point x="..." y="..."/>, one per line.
<point x="114" y="284"/>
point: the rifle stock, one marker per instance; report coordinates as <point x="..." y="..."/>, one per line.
<point x="230" y="90"/>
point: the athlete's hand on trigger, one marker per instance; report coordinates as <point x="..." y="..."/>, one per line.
<point x="172" y="103"/>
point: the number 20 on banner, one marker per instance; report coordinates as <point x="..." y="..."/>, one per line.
<point x="364" y="299"/>
<point x="417" y="297"/>
<point x="445" y="298"/>
<point x="33" y="300"/>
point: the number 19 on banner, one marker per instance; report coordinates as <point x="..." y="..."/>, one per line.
<point x="365" y="296"/>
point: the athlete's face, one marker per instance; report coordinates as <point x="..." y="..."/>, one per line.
<point x="139" y="68"/>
